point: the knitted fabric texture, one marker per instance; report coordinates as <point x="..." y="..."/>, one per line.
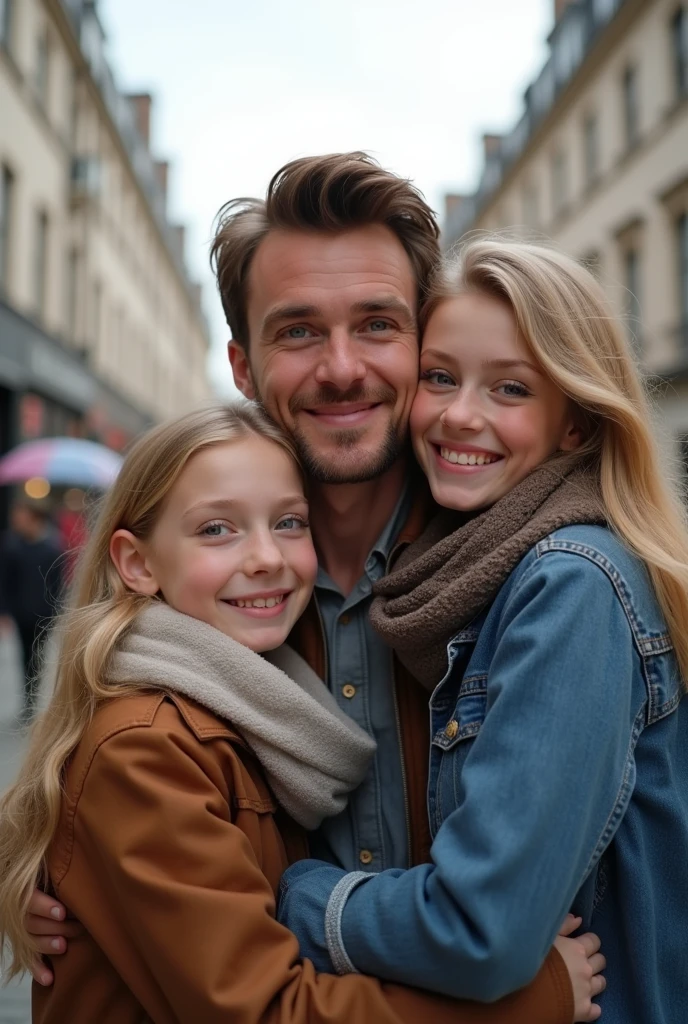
<point x="312" y="753"/>
<point x="449" y="575"/>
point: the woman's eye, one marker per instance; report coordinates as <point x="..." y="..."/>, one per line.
<point x="438" y="377"/>
<point x="292" y="523"/>
<point x="513" y="389"/>
<point x="215" y="530"/>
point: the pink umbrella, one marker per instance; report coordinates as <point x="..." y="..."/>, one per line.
<point x="68" y="461"/>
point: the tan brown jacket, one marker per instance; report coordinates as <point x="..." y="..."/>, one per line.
<point x="170" y="854"/>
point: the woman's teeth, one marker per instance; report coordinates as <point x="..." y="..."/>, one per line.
<point x="467" y="458"/>
<point x="259" y="602"/>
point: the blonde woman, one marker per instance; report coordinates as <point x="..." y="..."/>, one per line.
<point x="147" y="803"/>
<point x="546" y="611"/>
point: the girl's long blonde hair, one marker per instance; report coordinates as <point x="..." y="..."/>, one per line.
<point x="100" y="611"/>
<point x="562" y="313"/>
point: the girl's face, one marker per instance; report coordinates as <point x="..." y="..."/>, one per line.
<point x="232" y="546"/>
<point x="485" y="414"/>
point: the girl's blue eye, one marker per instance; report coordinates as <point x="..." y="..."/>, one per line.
<point x="438" y="377"/>
<point x="512" y="389"/>
<point x="292" y="523"/>
<point x="214" y="530"/>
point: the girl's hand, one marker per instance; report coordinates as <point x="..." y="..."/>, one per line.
<point x="584" y="963"/>
<point x="46" y="923"/>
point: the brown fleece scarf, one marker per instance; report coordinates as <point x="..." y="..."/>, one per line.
<point x="445" y="578"/>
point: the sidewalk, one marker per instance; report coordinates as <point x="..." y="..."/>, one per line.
<point x="14" y="1000"/>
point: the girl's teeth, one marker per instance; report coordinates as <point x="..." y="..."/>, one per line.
<point x="466" y="458"/>
<point x="259" y="602"/>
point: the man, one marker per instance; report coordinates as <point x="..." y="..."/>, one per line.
<point x="321" y="285"/>
<point x="30" y="583"/>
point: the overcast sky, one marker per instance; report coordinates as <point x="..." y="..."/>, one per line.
<point x="242" y="86"/>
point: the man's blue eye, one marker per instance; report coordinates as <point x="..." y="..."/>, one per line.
<point x="297" y="332"/>
<point x="378" y="325"/>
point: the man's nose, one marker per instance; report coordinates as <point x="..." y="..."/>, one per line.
<point x="263" y="555"/>
<point x="341" y="362"/>
<point x="465" y="412"/>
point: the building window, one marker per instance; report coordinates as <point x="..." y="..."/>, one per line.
<point x="682" y="226"/>
<point x="42" y="67"/>
<point x="630" y="107"/>
<point x="41" y="262"/>
<point x="591" y="148"/>
<point x="679" y="41"/>
<point x="559" y="181"/>
<point x="6" y="24"/>
<point x="71" y="293"/>
<point x="6" y="194"/>
<point x="96" y="314"/>
<point x="632" y="280"/>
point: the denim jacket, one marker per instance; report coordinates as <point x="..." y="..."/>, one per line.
<point x="558" y="780"/>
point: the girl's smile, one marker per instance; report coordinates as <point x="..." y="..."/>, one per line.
<point x="485" y="414"/>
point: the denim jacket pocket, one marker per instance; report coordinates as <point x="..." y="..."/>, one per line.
<point x="450" y="747"/>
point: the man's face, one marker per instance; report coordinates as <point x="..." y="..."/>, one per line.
<point x="333" y="352"/>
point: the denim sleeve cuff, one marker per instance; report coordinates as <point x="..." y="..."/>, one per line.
<point x="341" y="961"/>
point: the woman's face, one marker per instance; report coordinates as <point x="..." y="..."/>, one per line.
<point x="232" y="546"/>
<point x="485" y="415"/>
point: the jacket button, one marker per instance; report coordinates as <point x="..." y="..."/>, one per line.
<point x="344" y="619"/>
<point x="349" y="690"/>
<point x="365" y="857"/>
<point x="451" y="729"/>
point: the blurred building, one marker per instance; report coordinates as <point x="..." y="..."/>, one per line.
<point x="599" y="163"/>
<point x="101" y="328"/>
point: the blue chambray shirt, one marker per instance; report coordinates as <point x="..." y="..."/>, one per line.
<point x="372" y="833"/>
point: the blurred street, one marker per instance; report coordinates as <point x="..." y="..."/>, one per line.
<point x="14" y="1000"/>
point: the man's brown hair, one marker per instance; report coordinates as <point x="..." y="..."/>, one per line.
<point x="322" y="193"/>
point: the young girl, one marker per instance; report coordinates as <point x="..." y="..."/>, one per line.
<point x="547" y="614"/>
<point x="146" y="801"/>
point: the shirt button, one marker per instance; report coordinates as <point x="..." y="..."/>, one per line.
<point x="344" y="619"/>
<point x="451" y="729"/>
<point x="349" y="690"/>
<point x="365" y="857"/>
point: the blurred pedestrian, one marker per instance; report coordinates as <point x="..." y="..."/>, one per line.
<point x="71" y="523"/>
<point x="30" y="584"/>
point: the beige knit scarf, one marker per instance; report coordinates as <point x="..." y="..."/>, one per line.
<point x="312" y="753"/>
<point x="445" y="578"/>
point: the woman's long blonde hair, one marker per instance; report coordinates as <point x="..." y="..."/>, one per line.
<point x="562" y="313"/>
<point x="101" y="609"/>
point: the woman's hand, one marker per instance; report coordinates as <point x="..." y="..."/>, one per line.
<point x="47" y="924"/>
<point x="584" y="963"/>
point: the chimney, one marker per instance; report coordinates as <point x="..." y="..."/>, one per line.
<point x="492" y="145"/>
<point x="141" y="104"/>
<point x="559" y="8"/>
<point x="162" y="173"/>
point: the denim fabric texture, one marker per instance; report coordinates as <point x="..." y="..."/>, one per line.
<point x="558" y="780"/>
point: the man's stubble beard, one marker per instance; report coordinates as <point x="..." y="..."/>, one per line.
<point x="350" y="470"/>
<point x="325" y="470"/>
